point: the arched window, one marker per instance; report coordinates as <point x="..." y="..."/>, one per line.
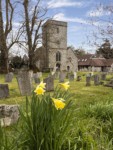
<point x="58" y="56"/>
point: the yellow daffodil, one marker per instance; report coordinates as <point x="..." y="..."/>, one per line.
<point x="42" y="85"/>
<point x="59" y="104"/>
<point x="65" y="85"/>
<point x="39" y="90"/>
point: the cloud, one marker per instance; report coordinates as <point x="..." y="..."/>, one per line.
<point x="98" y="12"/>
<point x="62" y="17"/>
<point x="63" y="3"/>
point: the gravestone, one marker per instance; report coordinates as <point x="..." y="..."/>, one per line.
<point x="96" y="80"/>
<point x="49" y="83"/>
<point x="37" y="80"/>
<point x="39" y="74"/>
<point x="79" y="78"/>
<point x="57" y="73"/>
<point x="103" y="76"/>
<point x="24" y="82"/>
<point x="4" y="91"/>
<point x="62" y="76"/>
<point x="9" y="114"/>
<point x="71" y="77"/>
<point x="75" y="75"/>
<point x="9" y="77"/>
<point x="110" y="83"/>
<point x="88" y="81"/>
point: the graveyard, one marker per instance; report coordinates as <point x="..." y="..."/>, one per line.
<point x="91" y="106"/>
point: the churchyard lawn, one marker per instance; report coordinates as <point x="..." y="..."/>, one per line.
<point x="93" y="112"/>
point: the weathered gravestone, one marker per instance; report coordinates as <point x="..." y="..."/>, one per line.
<point x="9" y="114"/>
<point x="24" y="82"/>
<point x="62" y="76"/>
<point x="39" y="74"/>
<point x="57" y="73"/>
<point x="103" y="76"/>
<point x="79" y="78"/>
<point x="37" y="80"/>
<point x="9" y="77"/>
<point x="4" y="91"/>
<point x="49" y="83"/>
<point x="110" y="83"/>
<point x="88" y="81"/>
<point x="96" y="80"/>
<point x="71" y="77"/>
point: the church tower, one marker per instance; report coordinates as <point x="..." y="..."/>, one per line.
<point x="54" y="40"/>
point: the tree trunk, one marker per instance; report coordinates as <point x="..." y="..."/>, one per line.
<point x="3" y="48"/>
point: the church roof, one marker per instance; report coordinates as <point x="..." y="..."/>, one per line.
<point x="94" y="60"/>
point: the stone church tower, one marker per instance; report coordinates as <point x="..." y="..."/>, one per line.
<point x="54" y="41"/>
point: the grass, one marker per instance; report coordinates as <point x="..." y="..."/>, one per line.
<point x="92" y="127"/>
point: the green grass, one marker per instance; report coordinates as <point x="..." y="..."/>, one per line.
<point x="92" y="127"/>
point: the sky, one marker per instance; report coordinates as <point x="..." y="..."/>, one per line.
<point x="79" y="15"/>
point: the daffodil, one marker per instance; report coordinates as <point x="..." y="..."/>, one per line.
<point x="65" y="85"/>
<point x="59" y="104"/>
<point x="39" y="90"/>
<point x="42" y="85"/>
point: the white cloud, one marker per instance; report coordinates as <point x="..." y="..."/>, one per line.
<point x="62" y="17"/>
<point x="100" y="11"/>
<point x="63" y="3"/>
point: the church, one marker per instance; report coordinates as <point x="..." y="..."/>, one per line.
<point x="54" y="54"/>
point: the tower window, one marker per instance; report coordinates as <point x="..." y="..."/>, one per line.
<point x="58" y="56"/>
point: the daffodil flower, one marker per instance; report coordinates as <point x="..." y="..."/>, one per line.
<point x="39" y="91"/>
<point x="59" y="104"/>
<point x="42" y="85"/>
<point x="65" y="85"/>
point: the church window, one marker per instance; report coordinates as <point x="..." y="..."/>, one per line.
<point x="58" y="56"/>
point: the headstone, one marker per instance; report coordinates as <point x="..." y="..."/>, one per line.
<point x="71" y="77"/>
<point x="24" y="82"/>
<point x="88" y="81"/>
<point x="79" y="78"/>
<point x="4" y="91"/>
<point x="62" y="76"/>
<point x="9" y="77"/>
<point x="9" y="114"/>
<point x="57" y="73"/>
<point x="31" y="73"/>
<point x="110" y="83"/>
<point x="75" y="75"/>
<point x="49" y="83"/>
<point x="37" y="80"/>
<point x="96" y="80"/>
<point x="103" y="76"/>
<point x="39" y="74"/>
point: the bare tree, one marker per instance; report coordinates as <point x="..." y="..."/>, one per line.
<point x="102" y="20"/>
<point x="33" y="19"/>
<point x="6" y="26"/>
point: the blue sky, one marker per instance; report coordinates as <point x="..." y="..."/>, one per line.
<point x="78" y="14"/>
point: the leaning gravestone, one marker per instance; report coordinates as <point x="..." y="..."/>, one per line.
<point x="88" y="80"/>
<point x="9" y="114"/>
<point x="9" y="77"/>
<point x="24" y="82"/>
<point x="96" y="80"/>
<point x="62" y="76"/>
<point x="4" y="91"/>
<point x="71" y="77"/>
<point x="110" y="83"/>
<point x="49" y="84"/>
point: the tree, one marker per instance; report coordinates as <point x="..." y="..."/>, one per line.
<point x="6" y="27"/>
<point x="105" y="50"/>
<point x="102" y="21"/>
<point x="33" y="20"/>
